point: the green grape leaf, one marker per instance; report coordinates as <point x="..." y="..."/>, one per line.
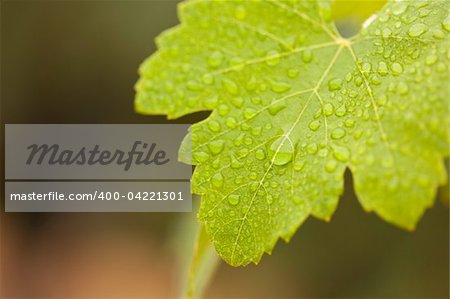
<point x="294" y="104"/>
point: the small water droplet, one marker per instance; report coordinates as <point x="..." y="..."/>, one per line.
<point x="431" y="59"/>
<point x="396" y="68"/>
<point x="216" y="146"/>
<point x="235" y="163"/>
<point x="341" y="111"/>
<point x="386" y="32"/>
<point x="341" y="153"/>
<point x="375" y="80"/>
<point x="233" y="199"/>
<point x="338" y="133"/>
<point x="214" y="125"/>
<point x="200" y="156"/>
<point x="417" y="30"/>
<point x="281" y="151"/>
<point x="299" y="165"/>
<point x="217" y="180"/>
<point x="223" y="110"/>
<point x="293" y="72"/>
<point x="403" y="88"/>
<point x="208" y="79"/>
<point x="259" y="154"/>
<point x="331" y="166"/>
<point x="349" y="122"/>
<point x="307" y="56"/>
<point x="272" y="58"/>
<point x="277" y="107"/>
<point x="348" y="77"/>
<point x="215" y="59"/>
<point x="194" y="85"/>
<point x="249" y="113"/>
<point x="328" y="109"/>
<point x="399" y="8"/>
<point x="382" y="68"/>
<point x="279" y="86"/>
<point x="366" y="67"/>
<point x="381" y="100"/>
<point x="334" y="84"/>
<point x="230" y="86"/>
<point x="314" y="125"/>
<point x="237" y="101"/>
<point x="446" y="23"/>
<point x="312" y="148"/>
<point x="231" y="122"/>
<point x="438" y="34"/>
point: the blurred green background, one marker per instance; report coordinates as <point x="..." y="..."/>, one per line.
<point x="76" y="62"/>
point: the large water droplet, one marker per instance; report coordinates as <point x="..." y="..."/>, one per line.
<point x="281" y="151"/>
<point x="417" y="30"/>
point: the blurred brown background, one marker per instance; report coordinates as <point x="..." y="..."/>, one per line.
<point x="76" y="62"/>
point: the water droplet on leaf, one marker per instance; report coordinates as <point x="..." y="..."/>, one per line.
<point x="233" y="199"/>
<point x="334" y="84"/>
<point x="417" y="30"/>
<point x="281" y="151"/>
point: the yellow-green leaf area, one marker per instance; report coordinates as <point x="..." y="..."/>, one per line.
<point x="294" y="104"/>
